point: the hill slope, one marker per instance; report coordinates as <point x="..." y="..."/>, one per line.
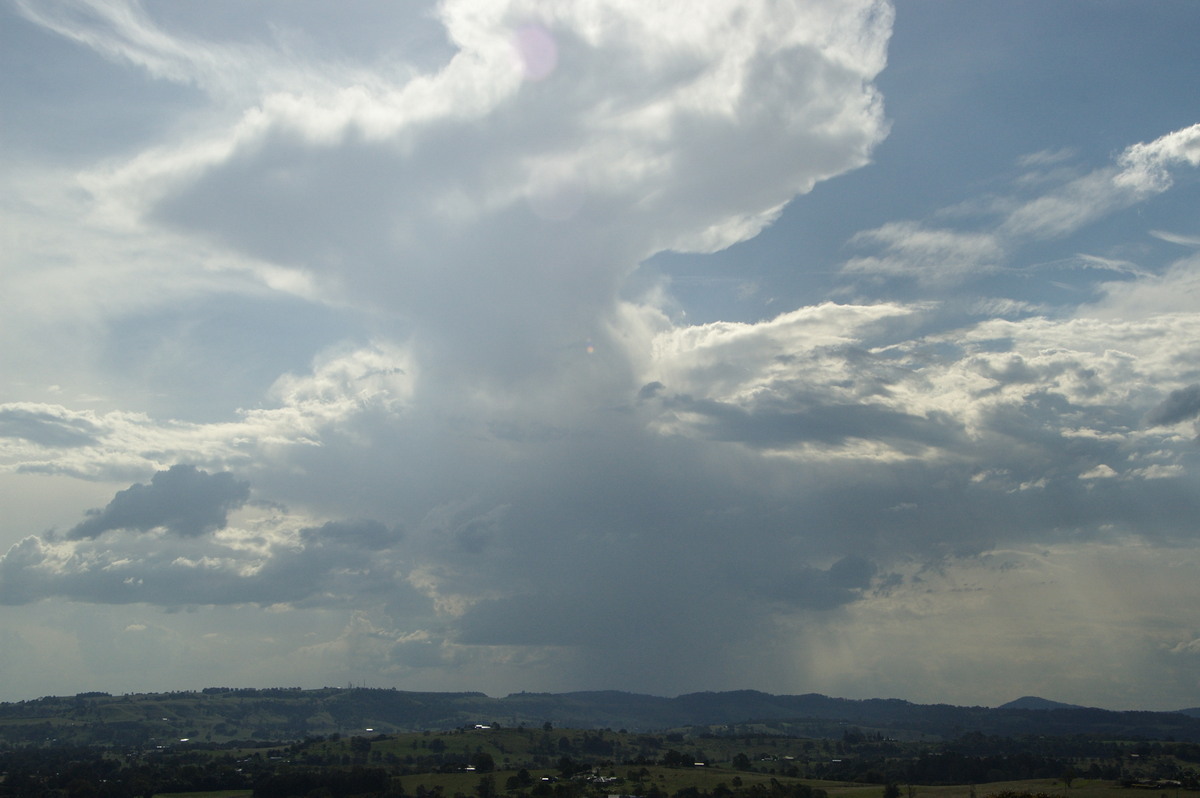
<point x="1033" y="702"/>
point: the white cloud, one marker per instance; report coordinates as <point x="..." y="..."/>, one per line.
<point x="930" y="256"/>
<point x="1063" y="204"/>
<point x="494" y="216"/>
<point x="276" y="563"/>
<point x="115" y="445"/>
<point x="1071" y="206"/>
<point x="1102" y="471"/>
<point x="1046" y="157"/>
<point x="1145" y="167"/>
<point x="1142" y="170"/>
<point x="1174" y="293"/>
<point x="1175" y="238"/>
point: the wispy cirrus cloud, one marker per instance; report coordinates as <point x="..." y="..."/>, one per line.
<point x="929" y="255"/>
<point x="942" y="255"/>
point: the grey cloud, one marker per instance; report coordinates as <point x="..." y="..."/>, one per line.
<point x="655" y="608"/>
<point x="366" y="535"/>
<point x="170" y="576"/>
<point x="607" y="520"/>
<point x="650" y="390"/>
<point x="851" y="572"/>
<point x="19" y="583"/>
<point x="183" y="499"/>
<point x="1014" y="370"/>
<point x="539" y="619"/>
<point x="591" y="615"/>
<point x="773" y="424"/>
<point x="1179" y="406"/>
<point x="811" y="588"/>
<point x="46" y="428"/>
<point x="495" y="300"/>
<point x="198" y="347"/>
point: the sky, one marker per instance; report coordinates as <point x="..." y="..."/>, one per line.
<point x="825" y="346"/>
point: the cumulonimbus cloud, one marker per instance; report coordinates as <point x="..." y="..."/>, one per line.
<point x="572" y="466"/>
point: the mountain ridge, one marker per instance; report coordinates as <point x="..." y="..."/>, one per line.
<point x="222" y="714"/>
<point x="1037" y="702"/>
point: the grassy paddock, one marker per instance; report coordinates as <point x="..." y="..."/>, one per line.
<point x="216" y="794"/>
<point x="1081" y="788"/>
<point x="671" y="780"/>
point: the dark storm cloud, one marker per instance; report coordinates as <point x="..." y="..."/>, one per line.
<point x="544" y="620"/>
<point x="183" y="499"/>
<point x="1179" y="406"/>
<point x="663" y="605"/>
<point x="46" y="428"/>
<point x="823" y="589"/>
<point x="616" y="622"/>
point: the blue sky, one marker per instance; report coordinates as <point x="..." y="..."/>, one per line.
<point x="840" y="347"/>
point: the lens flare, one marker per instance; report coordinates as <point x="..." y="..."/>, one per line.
<point x="538" y="51"/>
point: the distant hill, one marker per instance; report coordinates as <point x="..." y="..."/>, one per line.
<point x="224" y="714"/>
<point x="1033" y="702"/>
<point x="1194" y="712"/>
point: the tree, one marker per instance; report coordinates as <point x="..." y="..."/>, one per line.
<point x="675" y="759"/>
<point x="890" y="790"/>
<point x="520" y="780"/>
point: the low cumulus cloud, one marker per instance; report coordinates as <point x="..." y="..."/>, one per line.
<point x="199" y="559"/>
<point x="183" y="500"/>
<point x="45" y="426"/>
<point x="1179" y="405"/>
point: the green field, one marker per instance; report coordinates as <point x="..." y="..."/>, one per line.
<point x="698" y="762"/>
<point x="215" y="794"/>
<point x="674" y="780"/>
